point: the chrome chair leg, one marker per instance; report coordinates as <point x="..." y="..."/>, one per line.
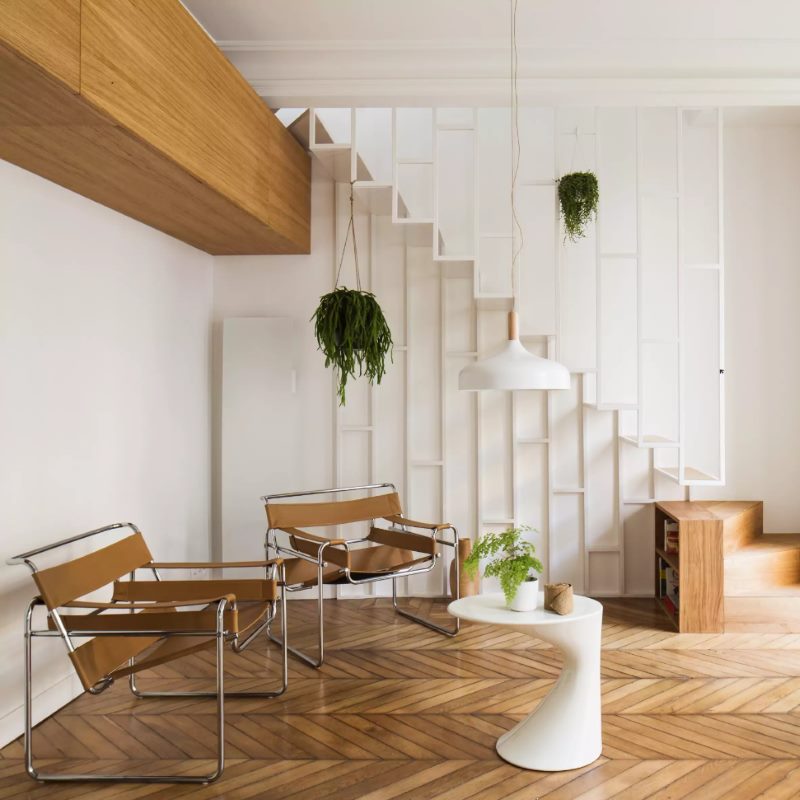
<point x="422" y="620"/>
<point x="310" y="660"/>
<point x="70" y="777"/>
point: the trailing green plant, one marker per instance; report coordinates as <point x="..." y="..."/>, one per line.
<point x="353" y="334"/>
<point x="513" y="565"/>
<point x="578" y="195"/>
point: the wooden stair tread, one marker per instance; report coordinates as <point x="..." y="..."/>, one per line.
<point x="768" y="566"/>
<point x="706" y="509"/>
<point x="767" y="542"/>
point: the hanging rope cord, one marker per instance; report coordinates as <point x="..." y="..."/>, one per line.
<point x="518" y="241"/>
<point x="351" y="229"/>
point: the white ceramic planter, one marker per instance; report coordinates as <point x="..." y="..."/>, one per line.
<point x="527" y="596"/>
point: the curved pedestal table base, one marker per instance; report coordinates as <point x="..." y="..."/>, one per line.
<point x="565" y="731"/>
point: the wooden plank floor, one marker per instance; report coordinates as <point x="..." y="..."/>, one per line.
<point x="400" y="712"/>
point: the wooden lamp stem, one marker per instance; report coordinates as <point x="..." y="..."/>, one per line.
<point x="513" y="325"/>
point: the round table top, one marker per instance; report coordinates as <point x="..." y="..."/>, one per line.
<point x="491" y="609"/>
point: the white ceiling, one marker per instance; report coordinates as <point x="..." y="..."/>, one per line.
<point x="342" y="52"/>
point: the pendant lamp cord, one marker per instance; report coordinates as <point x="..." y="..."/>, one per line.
<point x="351" y="229"/>
<point x="517" y="239"/>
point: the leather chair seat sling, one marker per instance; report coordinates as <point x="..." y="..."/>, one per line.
<point x="395" y="547"/>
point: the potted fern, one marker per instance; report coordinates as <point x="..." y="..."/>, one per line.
<point x="350" y="327"/>
<point x="578" y="195"/>
<point x="513" y="562"/>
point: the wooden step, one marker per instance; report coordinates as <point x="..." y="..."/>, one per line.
<point x="768" y="564"/>
<point x="778" y="613"/>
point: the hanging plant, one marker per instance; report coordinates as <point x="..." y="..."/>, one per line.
<point x="578" y="194"/>
<point x="350" y="327"/>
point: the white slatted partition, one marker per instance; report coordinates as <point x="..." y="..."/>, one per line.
<point x="620" y="308"/>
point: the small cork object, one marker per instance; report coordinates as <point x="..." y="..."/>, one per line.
<point x="558" y="597"/>
<point x="467" y="586"/>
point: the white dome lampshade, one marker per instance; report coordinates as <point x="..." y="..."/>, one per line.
<point x="511" y="367"/>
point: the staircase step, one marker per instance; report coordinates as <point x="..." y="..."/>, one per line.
<point x="779" y="613"/>
<point x="769" y="565"/>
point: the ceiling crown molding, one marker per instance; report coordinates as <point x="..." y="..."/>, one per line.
<point x="656" y="71"/>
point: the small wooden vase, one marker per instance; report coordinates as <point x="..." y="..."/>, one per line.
<point x="558" y="597"/>
<point x="467" y="586"/>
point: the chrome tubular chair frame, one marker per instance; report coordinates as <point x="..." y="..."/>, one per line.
<point x="237" y="646"/>
<point x="219" y="632"/>
<point x="272" y="544"/>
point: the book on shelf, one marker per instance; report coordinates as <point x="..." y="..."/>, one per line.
<point x="669" y="605"/>
<point x="672" y="586"/>
<point x="670" y="537"/>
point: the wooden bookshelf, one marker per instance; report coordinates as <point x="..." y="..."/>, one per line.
<point x="707" y="532"/>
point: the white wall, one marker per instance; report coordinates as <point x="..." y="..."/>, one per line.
<point x="104" y="397"/>
<point x="762" y="331"/>
<point x="282" y="286"/>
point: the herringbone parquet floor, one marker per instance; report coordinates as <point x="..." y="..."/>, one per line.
<point x="400" y="712"/>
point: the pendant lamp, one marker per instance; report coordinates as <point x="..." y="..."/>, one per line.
<point x="511" y="366"/>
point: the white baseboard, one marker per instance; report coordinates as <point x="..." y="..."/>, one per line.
<point x="45" y="703"/>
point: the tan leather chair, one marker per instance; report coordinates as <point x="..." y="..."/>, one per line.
<point x="145" y="623"/>
<point x="397" y="548"/>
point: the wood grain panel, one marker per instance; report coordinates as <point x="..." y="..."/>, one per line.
<point x="153" y="70"/>
<point x="48" y="129"/>
<point x="702" y="579"/>
<point x="46" y="33"/>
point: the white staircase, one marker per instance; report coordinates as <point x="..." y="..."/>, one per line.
<point x="442" y="177"/>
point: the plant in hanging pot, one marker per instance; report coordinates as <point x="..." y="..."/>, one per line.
<point x="350" y="327"/>
<point x="353" y="334"/>
<point x="513" y="562"/>
<point x="578" y="195"/>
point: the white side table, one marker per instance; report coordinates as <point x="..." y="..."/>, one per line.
<point x="564" y="732"/>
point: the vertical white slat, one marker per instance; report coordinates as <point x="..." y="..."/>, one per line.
<point x="337" y="423"/>
<point x="443" y="418"/>
<point x="435" y="157"/>
<point x="394" y="165"/>
<point x="515" y="512"/>
<point x="558" y="237"/>
<point x="681" y="305"/>
<point x="372" y="588"/>
<point x="409" y="356"/>
<point x="598" y="277"/>
<point x="551" y="348"/>
<point x="721" y="286"/>
<point x="582" y="432"/>
<point x="640" y="401"/>
<point x="620" y="518"/>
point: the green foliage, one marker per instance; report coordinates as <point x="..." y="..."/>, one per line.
<point x="512" y="567"/>
<point x="578" y="194"/>
<point x="352" y="333"/>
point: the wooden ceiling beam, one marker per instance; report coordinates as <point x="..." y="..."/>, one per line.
<point x="132" y="105"/>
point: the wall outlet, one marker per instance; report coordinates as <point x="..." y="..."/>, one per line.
<point x="198" y="573"/>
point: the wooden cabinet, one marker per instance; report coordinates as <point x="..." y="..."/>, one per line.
<point x="707" y="531"/>
<point x="131" y="104"/>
